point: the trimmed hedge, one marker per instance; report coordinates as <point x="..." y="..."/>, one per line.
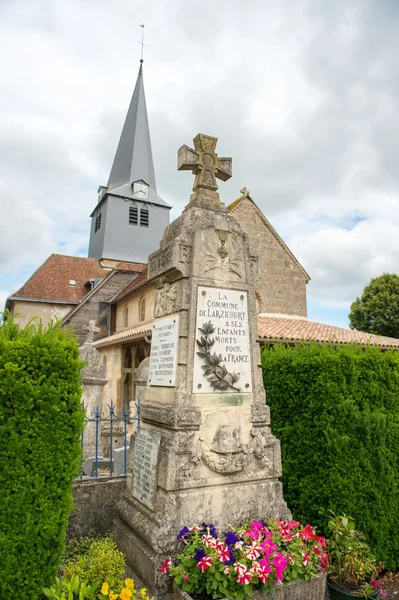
<point x="335" y="410"/>
<point x="41" y="421"/>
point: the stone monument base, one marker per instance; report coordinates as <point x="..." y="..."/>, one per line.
<point x="303" y="590"/>
<point x="147" y="541"/>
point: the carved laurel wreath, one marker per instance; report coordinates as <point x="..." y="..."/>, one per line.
<point x="220" y="378"/>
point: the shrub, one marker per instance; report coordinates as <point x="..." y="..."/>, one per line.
<point x="41" y="420"/>
<point x="336" y="412"/>
<point x="104" y="562"/>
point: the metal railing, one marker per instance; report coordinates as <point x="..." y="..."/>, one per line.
<point x="105" y="442"/>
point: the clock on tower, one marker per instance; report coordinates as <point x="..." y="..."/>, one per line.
<point x="140" y="189"/>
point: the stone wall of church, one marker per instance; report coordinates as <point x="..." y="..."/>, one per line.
<point x="281" y="287"/>
<point x="130" y="310"/>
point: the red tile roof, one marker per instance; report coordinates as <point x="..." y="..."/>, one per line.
<point x="51" y="280"/>
<point x="279" y="328"/>
<point x="125" y="336"/>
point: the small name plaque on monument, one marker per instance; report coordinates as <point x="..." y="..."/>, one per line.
<point x="163" y="357"/>
<point x="222" y="361"/>
<point x="146" y="451"/>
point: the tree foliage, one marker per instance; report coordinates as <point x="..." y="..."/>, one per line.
<point x="41" y="420"/>
<point x="377" y="309"/>
<point x="336" y="412"/>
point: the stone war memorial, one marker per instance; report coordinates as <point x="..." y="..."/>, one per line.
<point x="204" y="451"/>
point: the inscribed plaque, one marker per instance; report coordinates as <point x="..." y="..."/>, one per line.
<point x="163" y="357"/>
<point x="222" y="360"/>
<point x="146" y="451"/>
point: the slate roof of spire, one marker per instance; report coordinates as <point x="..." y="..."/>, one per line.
<point x="133" y="159"/>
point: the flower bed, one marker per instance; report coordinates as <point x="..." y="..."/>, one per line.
<point x="264" y="556"/>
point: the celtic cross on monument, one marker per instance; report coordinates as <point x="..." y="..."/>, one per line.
<point x="205" y="164"/>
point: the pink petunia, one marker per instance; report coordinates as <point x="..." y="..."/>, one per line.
<point x="186" y="576"/>
<point x="265" y="564"/>
<point x="279" y="574"/>
<point x="205" y="563"/>
<point x="268" y="546"/>
<point x="279" y="561"/>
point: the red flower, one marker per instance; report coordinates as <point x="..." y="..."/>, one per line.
<point x="239" y="568"/>
<point x="205" y="563"/>
<point x="166" y="565"/>
<point x="252" y="552"/>
<point x="308" y="534"/>
<point x="305" y="557"/>
<point x="185" y="576"/>
<point x="223" y="553"/>
<point x="245" y="578"/>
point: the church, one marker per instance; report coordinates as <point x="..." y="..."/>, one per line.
<point x="111" y="286"/>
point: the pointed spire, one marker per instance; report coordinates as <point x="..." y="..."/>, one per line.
<point x="133" y="159"/>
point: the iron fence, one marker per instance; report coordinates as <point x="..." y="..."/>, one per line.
<point x="105" y="441"/>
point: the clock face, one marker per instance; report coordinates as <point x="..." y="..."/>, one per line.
<point x="140" y="190"/>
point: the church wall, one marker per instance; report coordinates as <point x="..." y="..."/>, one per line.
<point x="46" y="311"/>
<point x="132" y="304"/>
<point x="132" y="242"/>
<point x="281" y="288"/>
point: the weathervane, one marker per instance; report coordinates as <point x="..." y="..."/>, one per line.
<point x="142" y="43"/>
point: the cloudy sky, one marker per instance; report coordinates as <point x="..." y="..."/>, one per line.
<point x="303" y="94"/>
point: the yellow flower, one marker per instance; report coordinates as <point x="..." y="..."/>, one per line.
<point x="129" y="583"/>
<point x="125" y="594"/>
<point x="113" y="596"/>
<point x="143" y="593"/>
<point x="105" y="589"/>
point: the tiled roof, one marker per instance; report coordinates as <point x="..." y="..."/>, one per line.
<point x="281" y="329"/>
<point x="278" y="328"/>
<point x="51" y="280"/>
<point x="124" y="336"/>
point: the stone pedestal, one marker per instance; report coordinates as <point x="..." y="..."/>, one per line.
<point x="217" y="460"/>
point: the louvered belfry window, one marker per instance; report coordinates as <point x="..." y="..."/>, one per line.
<point x="97" y="223"/>
<point x="144" y="217"/>
<point x="133" y="215"/>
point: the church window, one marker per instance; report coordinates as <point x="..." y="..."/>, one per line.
<point x="142" y="309"/>
<point x="126" y="317"/>
<point x="97" y="223"/>
<point x="133" y="215"/>
<point x="144" y="217"/>
<point x="103" y="313"/>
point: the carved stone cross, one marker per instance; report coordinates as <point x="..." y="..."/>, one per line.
<point x="204" y="163"/>
<point x="91" y="329"/>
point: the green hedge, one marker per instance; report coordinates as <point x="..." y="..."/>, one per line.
<point x="41" y="420"/>
<point x="336" y="412"/>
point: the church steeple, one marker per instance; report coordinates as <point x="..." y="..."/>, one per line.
<point x="133" y="159"/>
<point x="130" y="218"/>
